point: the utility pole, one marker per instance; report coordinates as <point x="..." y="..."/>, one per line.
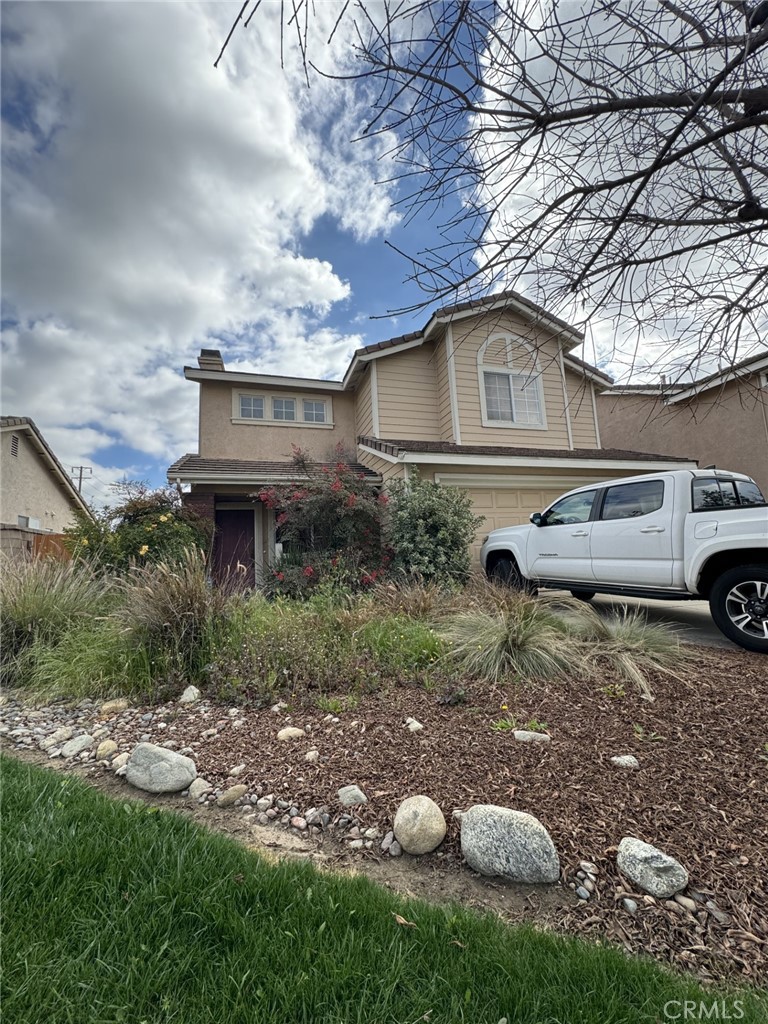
<point x="81" y="470"/>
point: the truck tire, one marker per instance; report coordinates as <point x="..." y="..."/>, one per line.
<point x="583" y="595"/>
<point x="505" y="571"/>
<point x="739" y="604"/>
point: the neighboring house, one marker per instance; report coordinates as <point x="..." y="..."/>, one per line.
<point x="721" y="419"/>
<point x="37" y="498"/>
<point x="487" y="397"/>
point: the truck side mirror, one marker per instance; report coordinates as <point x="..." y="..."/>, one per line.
<point x="536" y="518"/>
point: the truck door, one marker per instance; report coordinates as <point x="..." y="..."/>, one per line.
<point x="631" y="540"/>
<point x="559" y="548"/>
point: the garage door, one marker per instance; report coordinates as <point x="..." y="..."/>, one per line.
<point x="507" y="506"/>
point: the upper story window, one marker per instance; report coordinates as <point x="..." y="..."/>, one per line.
<point x="251" y="407"/>
<point x="510" y="384"/>
<point x="274" y="409"/>
<point x="314" y="412"/>
<point x="283" y="408"/>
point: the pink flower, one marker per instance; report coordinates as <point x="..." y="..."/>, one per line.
<point x="383" y="499"/>
<point x="309" y="571"/>
<point x="336" y="485"/>
<point x="351" y="501"/>
<point x="282" y="518"/>
<point x="280" y="576"/>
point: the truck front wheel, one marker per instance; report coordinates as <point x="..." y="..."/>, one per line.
<point x="505" y="570"/>
<point x="739" y="604"/>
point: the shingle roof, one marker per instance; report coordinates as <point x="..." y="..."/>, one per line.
<point x="395" y="447"/>
<point x="248" y="469"/>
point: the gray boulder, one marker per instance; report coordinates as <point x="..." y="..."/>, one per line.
<point x="650" y="869"/>
<point x="159" y="770"/>
<point x="76" y="746"/>
<point x="419" y="825"/>
<point x="190" y="695"/>
<point x="511" y="844"/>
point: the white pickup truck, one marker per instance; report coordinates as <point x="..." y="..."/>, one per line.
<point x="686" y="534"/>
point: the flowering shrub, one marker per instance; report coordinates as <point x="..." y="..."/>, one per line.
<point x="330" y="524"/>
<point x="144" y="527"/>
<point x="430" y="530"/>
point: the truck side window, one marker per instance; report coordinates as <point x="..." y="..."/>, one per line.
<point x="749" y="493"/>
<point x="714" y="493"/>
<point x="627" y="501"/>
<point x="576" y="508"/>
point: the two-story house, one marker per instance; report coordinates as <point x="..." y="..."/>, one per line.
<point x="487" y="397"/>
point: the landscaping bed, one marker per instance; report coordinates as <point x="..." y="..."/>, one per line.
<point x="700" y="793"/>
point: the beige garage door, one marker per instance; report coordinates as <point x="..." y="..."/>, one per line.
<point x="507" y="506"/>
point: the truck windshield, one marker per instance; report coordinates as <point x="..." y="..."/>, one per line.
<point x="710" y="493"/>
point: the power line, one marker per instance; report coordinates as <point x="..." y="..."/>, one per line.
<point x="81" y="470"/>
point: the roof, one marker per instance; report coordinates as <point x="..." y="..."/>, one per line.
<point x="398" y="448"/>
<point x="195" y="469"/>
<point x="48" y="456"/>
<point x="678" y="391"/>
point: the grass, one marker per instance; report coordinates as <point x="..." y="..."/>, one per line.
<point x="116" y="912"/>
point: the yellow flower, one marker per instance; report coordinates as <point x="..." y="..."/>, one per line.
<point x="143" y="549"/>
<point x="84" y="542"/>
<point x="504" y="707"/>
<point x="163" y="519"/>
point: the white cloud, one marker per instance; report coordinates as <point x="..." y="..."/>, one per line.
<point x="154" y="204"/>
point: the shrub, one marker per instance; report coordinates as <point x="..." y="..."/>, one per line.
<point x="145" y="526"/>
<point x="40" y="600"/>
<point x="430" y="530"/>
<point x="330" y="525"/>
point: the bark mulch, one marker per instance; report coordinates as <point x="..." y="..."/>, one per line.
<point x="700" y="794"/>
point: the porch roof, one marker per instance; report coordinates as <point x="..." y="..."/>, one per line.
<point x="192" y="468"/>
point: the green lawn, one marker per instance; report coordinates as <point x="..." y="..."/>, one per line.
<point x="114" y="911"/>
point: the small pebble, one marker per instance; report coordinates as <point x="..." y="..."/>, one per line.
<point x="582" y="893"/>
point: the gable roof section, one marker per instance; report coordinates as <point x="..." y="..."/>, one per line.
<point x="26" y="425"/>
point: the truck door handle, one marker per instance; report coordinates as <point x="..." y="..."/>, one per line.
<point x="580" y="533"/>
<point x="652" y="529"/>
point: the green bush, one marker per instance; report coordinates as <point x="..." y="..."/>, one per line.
<point x="430" y="530"/>
<point x="144" y="527"/>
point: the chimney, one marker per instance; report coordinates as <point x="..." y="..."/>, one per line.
<point x="210" y="359"/>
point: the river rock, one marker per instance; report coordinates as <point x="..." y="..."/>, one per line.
<point x="625" y="761"/>
<point x="290" y="732"/>
<point x="419" y="825"/>
<point x="528" y="736"/>
<point x="650" y="869"/>
<point x="76" y="746"/>
<point x="231" y="795"/>
<point x="199" y="787"/>
<point x="114" y="707"/>
<point x="159" y="770"/>
<point x="511" y="844"/>
<point x="190" y="695"/>
<point x="105" y="750"/>
<point x="350" y="796"/>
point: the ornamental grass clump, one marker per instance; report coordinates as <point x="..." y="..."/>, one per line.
<point x="175" y="614"/>
<point x="518" y="638"/>
<point x="40" y="600"/>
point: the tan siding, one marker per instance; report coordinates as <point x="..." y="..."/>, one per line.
<point x="407" y="386"/>
<point x="581" y="411"/>
<point x="387" y="470"/>
<point x="445" y="421"/>
<point x="220" y="438"/>
<point x="30" y="488"/>
<point x="468" y="336"/>
<point x="363" y="406"/>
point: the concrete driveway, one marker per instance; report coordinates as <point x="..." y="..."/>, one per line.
<point x="692" y="618"/>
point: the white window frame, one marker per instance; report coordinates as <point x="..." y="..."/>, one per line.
<point x="284" y="399"/>
<point x="511" y="342"/>
<point x="313" y="402"/>
<point x="251" y="398"/>
<point x="268" y="418"/>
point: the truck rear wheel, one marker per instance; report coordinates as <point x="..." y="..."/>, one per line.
<point x="739" y="604"/>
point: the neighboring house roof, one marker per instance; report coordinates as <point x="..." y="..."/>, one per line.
<point x="192" y="468"/>
<point x="479" y="454"/>
<point x="679" y="392"/>
<point x="211" y="365"/>
<point x="26" y="425"/>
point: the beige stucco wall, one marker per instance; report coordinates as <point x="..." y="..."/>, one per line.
<point x="29" y="488"/>
<point x="468" y="336"/>
<point x="221" y="438"/>
<point x="726" y="427"/>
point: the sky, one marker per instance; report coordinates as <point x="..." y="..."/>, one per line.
<point x="154" y="205"/>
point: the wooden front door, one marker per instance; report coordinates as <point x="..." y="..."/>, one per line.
<point x="234" y="545"/>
